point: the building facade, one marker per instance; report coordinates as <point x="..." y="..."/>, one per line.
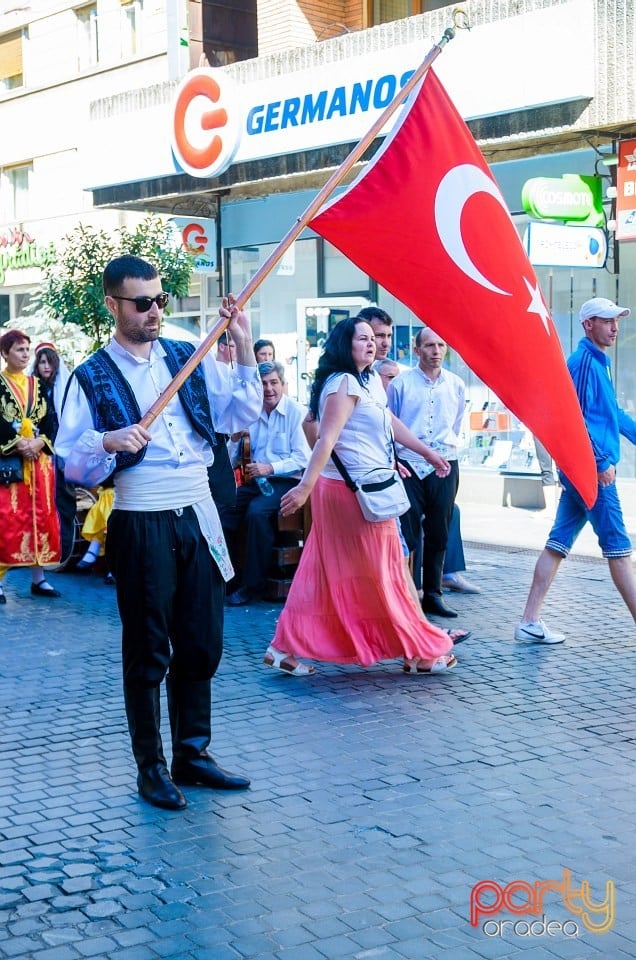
<point x="88" y="96"/>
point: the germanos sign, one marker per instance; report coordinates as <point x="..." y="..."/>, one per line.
<point x="571" y="199"/>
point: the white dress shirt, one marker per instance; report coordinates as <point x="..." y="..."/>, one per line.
<point x="432" y="409"/>
<point x="278" y="439"/>
<point x="173" y="472"/>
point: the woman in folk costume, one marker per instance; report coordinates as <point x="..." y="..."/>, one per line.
<point x="49" y="366"/>
<point x="30" y="530"/>
<point x="349" y="600"/>
<point x="53" y="374"/>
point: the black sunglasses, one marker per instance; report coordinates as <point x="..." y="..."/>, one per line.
<point x="143" y="304"/>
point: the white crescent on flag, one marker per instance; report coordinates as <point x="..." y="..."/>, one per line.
<point x="456" y="188"/>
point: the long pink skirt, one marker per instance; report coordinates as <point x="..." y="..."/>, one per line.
<point x="349" y="601"/>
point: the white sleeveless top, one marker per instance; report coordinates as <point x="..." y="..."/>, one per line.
<point x="366" y="440"/>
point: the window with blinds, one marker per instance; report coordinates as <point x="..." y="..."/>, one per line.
<point x="385" y="11"/>
<point x="11" y="61"/>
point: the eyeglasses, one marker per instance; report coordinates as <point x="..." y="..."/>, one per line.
<point x="143" y="304"/>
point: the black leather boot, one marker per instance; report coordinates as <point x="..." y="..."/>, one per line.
<point x="189" y="707"/>
<point x="153" y="781"/>
<point x="432" y="571"/>
<point x="433" y="603"/>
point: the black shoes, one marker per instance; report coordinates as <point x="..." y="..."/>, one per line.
<point x="432" y="603"/>
<point x="203" y="770"/>
<point x="238" y="599"/>
<point x="3" y="599"/>
<point x="39" y="590"/>
<point x="155" y="786"/>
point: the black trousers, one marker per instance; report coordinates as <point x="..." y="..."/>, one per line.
<point x="257" y="515"/>
<point x="432" y="500"/>
<point x="454" y="559"/>
<point x="169" y="593"/>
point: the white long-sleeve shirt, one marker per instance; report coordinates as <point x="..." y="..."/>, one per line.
<point x="173" y="472"/>
<point x="432" y="409"/>
<point x="278" y="439"/>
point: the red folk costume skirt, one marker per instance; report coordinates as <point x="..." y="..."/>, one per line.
<point x="349" y="601"/>
<point x="30" y="528"/>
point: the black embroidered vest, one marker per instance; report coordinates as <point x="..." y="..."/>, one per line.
<point x="113" y="403"/>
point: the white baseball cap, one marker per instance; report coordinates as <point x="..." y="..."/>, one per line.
<point x="601" y="307"/>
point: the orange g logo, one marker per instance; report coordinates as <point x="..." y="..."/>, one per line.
<point x="205" y="125"/>
<point x="193" y="234"/>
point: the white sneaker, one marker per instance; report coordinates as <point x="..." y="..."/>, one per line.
<point x="536" y="632"/>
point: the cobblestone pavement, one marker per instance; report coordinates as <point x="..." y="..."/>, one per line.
<point x="379" y="799"/>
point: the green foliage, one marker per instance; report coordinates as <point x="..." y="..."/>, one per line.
<point x="72" y="288"/>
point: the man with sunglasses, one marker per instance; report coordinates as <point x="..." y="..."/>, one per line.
<point x="591" y="372"/>
<point x="165" y="545"/>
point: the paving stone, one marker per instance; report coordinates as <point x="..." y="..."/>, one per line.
<point x="358" y="839"/>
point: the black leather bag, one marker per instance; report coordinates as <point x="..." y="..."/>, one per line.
<point x="11" y="469"/>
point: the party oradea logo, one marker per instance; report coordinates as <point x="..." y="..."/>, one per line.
<point x="532" y="901"/>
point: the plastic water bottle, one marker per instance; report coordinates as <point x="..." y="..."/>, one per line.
<point x="264" y="486"/>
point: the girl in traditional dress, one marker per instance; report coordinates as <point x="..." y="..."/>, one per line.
<point x="53" y="374"/>
<point x="349" y="600"/>
<point x="49" y="366"/>
<point x="30" y="530"/>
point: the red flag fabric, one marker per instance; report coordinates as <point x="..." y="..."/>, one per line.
<point x="427" y="221"/>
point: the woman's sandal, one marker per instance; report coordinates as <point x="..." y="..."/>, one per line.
<point x="441" y="665"/>
<point x="278" y="660"/>
<point x="459" y="636"/>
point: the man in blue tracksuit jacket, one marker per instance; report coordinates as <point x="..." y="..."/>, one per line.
<point x="606" y="421"/>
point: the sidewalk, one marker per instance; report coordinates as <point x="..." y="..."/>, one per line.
<point x="518" y="528"/>
<point x="378" y="801"/>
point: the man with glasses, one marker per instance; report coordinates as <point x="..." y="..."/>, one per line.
<point x="165" y="545"/>
<point x="591" y="372"/>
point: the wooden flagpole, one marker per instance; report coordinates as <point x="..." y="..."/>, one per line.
<point x="321" y="197"/>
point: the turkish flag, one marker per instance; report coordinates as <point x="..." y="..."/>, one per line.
<point x="427" y="221"/>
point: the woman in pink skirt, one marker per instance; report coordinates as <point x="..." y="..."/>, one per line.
<point x="349" y="601"/>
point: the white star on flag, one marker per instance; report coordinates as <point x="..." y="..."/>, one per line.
<point x="537" y="304"/>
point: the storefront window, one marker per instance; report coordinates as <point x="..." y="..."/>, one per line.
<point x="341" y="276"/>
<point x="272" y="307"/>
<point x="184" y="318"/>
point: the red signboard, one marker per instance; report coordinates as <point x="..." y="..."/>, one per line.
<point x="626" y="191"/>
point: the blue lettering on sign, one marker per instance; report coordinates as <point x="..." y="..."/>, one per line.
<point x="338" y="105"/>
<point x="271" y="119"/>
<point x="384" y="92"/>
<point x="314" y="111"/>
<point x="361" y="96"/>
<point x="324" y="105"/>
<point x="290" y="113"/>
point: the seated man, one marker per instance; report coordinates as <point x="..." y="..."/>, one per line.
<point x="279" y="453"/>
